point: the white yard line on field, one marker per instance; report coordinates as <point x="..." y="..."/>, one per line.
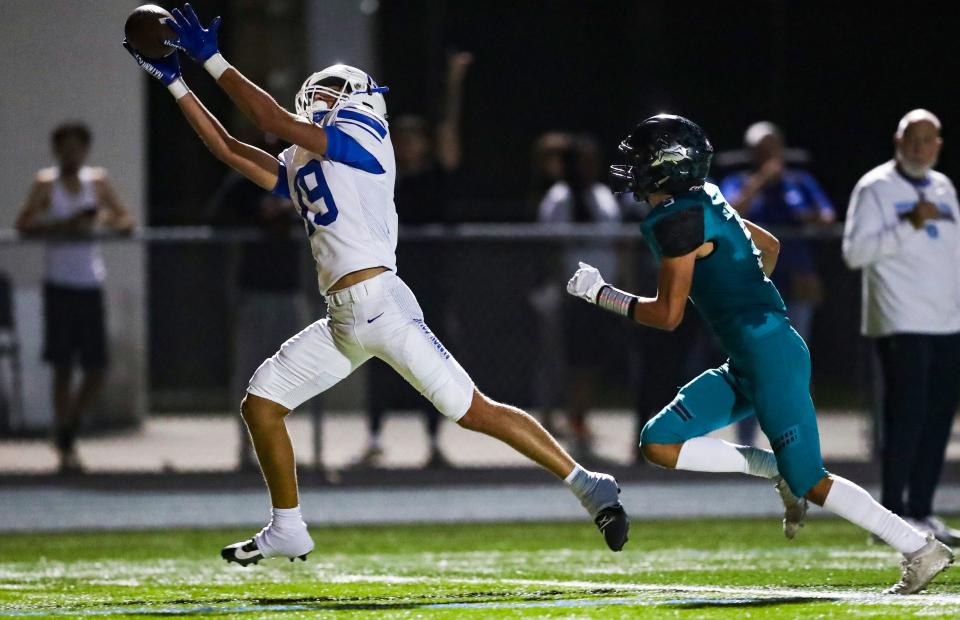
<point x="851" y="596"/>
<point x="583" y="594"/>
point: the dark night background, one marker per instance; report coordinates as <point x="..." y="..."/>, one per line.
<point x="835" y="76"/>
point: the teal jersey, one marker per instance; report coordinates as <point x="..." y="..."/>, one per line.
<point x="729" y="287"/>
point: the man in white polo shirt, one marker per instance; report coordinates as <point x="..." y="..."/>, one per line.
<point x="902" y="230"/>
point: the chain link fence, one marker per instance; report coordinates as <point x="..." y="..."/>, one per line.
<point x="212" y="303"/>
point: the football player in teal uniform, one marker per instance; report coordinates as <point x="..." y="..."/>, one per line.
<point x="707" y="252"/>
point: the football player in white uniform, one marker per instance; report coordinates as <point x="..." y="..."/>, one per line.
<point x="340" y="174"/>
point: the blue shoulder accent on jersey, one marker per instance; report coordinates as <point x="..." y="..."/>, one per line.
<point x="342" y="122"/>
<point x="346" y="150"/>
<point x="282" y="188"/>
<point x="369" y="121"/>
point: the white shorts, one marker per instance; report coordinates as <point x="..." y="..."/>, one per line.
<point x="379" y="317"/>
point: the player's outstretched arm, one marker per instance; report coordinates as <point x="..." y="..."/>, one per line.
<point x="256" y="104"/>
<point x="269" y="116"/>
<point x="768" y="245"/>
<point x="665" y="311"/>
<point x="258" y="166"/>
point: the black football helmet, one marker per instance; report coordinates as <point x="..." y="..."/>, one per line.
<point x="665" y="153"/>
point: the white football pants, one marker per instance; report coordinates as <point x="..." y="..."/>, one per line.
<point x="379" y="317"/>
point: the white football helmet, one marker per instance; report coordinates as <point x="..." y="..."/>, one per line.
<point x="358" y="87"/>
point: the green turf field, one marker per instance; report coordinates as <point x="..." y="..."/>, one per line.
<point x="684" y="569"/>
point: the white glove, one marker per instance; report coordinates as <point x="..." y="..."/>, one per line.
<point x="586" y="283"/>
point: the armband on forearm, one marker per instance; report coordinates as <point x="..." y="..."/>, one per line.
<point x="216" y="65"/>
<point x="616" y="301"/>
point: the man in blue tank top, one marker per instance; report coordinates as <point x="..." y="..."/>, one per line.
<point x="723" y="263"/>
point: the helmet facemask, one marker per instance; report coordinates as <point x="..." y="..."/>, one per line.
<point x="622" y="175"/>
<point x="309" y="100"/>
<point x="641" y="175"/>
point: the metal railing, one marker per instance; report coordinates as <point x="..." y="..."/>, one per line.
<point x="551" y="233"/>
<point x="492" y="292"/>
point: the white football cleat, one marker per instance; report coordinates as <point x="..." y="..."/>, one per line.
<point x="270" y="543"/>
<point x="918" y="571"/>
<point x="794" y="509"/>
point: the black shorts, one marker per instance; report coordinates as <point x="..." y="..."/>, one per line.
<point x="74" y="326"/>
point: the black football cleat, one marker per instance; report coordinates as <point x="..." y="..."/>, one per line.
<point x="614" y="524"/>
<point x="243" y="553"/>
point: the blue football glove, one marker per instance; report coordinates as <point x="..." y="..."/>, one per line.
<point x="199" y="43"/>
<point x="167" y="70"/>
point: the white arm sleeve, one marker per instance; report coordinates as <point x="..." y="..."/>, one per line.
<point x="869" y="233"/>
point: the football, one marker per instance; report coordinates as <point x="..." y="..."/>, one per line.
<point x="146" y="32"/>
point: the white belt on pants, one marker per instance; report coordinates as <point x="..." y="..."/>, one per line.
<point x="373" y="287"/>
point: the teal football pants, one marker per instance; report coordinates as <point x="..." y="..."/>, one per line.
<point x="769" y="378"/>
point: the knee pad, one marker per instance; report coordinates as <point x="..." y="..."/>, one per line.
<point x="452" y="399"/>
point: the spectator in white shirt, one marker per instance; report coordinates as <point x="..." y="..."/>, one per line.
<point x="902" y="231"/>
<point x="578" y="197"/>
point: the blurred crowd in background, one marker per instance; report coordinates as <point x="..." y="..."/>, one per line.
<point x="763" y="179"/>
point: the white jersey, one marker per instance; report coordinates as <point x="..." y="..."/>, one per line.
<point x="77" y="264"/>
<point x="911" y="277"/>
<point x="346" y="196"/>
<point x="346" y="200"/>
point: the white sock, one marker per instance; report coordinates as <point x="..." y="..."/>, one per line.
<point x="287" y="518"/>
<point x="285" y="535"/>
<point x="595" y="491"/>
<point x="577" y="470"/>
<point x="856" y="506"/>
<point x="716" y="455"/>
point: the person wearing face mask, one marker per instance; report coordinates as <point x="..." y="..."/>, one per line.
<point x="901" y="230"/>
